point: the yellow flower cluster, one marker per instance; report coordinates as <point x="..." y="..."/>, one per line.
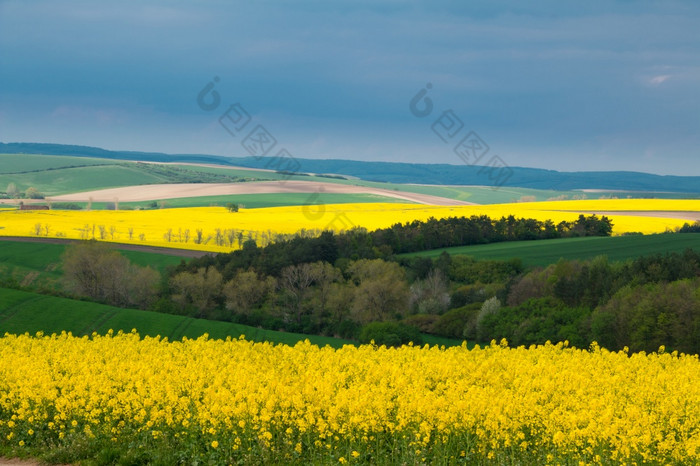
<point x="544" y="404"/>
<point x="219" y="229"/>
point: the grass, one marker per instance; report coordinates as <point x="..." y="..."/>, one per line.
<point x="20" y="163"/>
<point x="545" y="252"/>
<point x="70" y="180"/>
<point x="252" y="201"/>
<point x="243" y="173"/>
<point x="54" y="175"/>
<point x="503" y="195"/>
<point x="39" y="264"/>
<point x="22" y="311"/>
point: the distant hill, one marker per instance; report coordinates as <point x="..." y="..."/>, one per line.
<point x="437" y="174"/>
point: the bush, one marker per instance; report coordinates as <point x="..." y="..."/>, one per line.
<point x="688" y="228"/>
<point x="32" y="193"/>
<point x="348" y="329"/>
<point x="536" y="321"/>
<point x="390" y="334"/>
<point x="65" y="206"/>
<point x="423" y="322"/>
<point x="453" y="322"/>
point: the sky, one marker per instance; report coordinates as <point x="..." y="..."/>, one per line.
<point x="555" y="84"/>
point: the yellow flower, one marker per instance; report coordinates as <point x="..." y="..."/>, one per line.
<point x="553" y="400"/>
<point x="220" y="230"/>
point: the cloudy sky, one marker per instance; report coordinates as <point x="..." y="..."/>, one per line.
<point x="564" y="85"/>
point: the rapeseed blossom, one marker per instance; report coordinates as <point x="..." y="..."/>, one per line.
<point x="238" y="401"/>
<point x="221" y="230"/>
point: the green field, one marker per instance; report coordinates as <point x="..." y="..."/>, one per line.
<point x="39" y="264"/>
<point x="70" y="180"/>
<point x="252" y="201"/>
<point x="22" y="163"/>
<point x="21" y="312"/>
<point x="545" y="252"/>
<point x="54" y="175"/>
<point x="245" y="173"/>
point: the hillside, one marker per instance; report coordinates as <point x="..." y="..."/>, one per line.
<point x="433" y="174"/>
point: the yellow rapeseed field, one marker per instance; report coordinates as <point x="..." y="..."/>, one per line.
<point x="222" y="230"/>
<point x="235" y="401"/>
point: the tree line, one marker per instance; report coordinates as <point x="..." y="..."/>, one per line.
<point x="358" y="243"/>
<point x="639" y="304"/>
<point x="353" y="285"/>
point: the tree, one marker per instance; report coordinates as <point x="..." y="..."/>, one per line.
<point x="381" y="293"/>
<point x="33" y="193"/>
<point x="490" y="307"/>
<point x="323" y="275"/>
<point x="95" y="270"/>
<point x="296" y="280"/>
<point x="12" y="191"/>
<point x="646" y="317"/>
<point x="430" y="296"/>
<point x="390" y="334"/>
<point x="199" y="290"/>
<point x="246" y="291"/>
<point x="340" y="301"/>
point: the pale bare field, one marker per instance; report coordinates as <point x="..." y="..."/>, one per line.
<point x="687" y="215"/>
<point x="172" y="191"/>
<point x="17" y="462"/>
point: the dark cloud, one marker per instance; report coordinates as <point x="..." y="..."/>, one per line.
<point x="596" y="85"/>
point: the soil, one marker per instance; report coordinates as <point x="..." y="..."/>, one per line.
<point x="172" y="191"/>
<point x="681" y="215"/>
<point x="17" y="462"/>
<point x="124" y="246"/>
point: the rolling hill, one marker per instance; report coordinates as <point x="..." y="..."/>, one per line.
<point x="432" y="174"/>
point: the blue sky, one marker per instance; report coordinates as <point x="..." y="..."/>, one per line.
<point x="563" y="85"/>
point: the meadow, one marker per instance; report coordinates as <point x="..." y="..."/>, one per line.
<point x="22" y="311"/>
<point x="39" y="264"/>
<point x="249" y="201"/>
<point x="220" y="230"/>
<point x="55" y="175"/>
<point x="23" y="163"/>
<point x="120" y="398"/>
<point x="543" y="253"/>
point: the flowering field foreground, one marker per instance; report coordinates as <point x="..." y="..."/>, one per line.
<point x="218" y="230"/>
<point x="212" y="401"/>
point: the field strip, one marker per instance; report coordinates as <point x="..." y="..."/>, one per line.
<point x="99" y="322"/>
<point x="14" y="309"/>
<point x="682" y="215"/>
<point x="211" y="165"/>
<point x="174" y="191"/>
<point x="123" y="246"/>
<point x="17" y="462"/>
<point x="179" y="331"/>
